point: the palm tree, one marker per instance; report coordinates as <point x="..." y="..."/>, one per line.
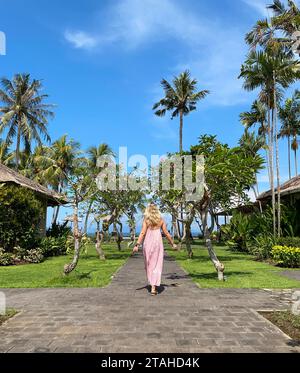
<point x="289" y="115"/>
<point x="95" y="152"/>
<point x="286" y="20"/>
<point x="271" y="71"/>
<point x="277" y="32"/>
<point x="24" y="113"/>
<point x="5" y="155"/>
<point x="55" y="163"/>
<point x="180" y="98"/>
<point x="251" y="144"/>
<point x="258" y="115"/>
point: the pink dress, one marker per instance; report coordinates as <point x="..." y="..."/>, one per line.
<point x="153" y="250"/>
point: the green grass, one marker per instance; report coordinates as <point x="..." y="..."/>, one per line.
<point x="10" y="312"/>
<point x="286" y="321"/>
<point x="90" y="271"/>
<point x="241" y="270"/>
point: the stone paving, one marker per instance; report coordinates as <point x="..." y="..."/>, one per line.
<point x="124" y="317"/>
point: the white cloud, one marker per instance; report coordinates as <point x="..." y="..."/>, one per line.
<point x="260" y="6"/>
<point x="80" y="39"/>
<point x="212" y="51"/>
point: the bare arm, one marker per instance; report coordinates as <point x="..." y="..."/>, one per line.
<point x="141" y="236"/>
<point x="167" y="234"/>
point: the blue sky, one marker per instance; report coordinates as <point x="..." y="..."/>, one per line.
<point x="102" y="62"/>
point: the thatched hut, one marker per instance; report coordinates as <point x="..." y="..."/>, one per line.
<point x="46" y="196"/>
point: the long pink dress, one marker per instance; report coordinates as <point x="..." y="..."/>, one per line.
<point x="153" y="250"/>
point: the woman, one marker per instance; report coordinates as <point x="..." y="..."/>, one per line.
<point x="153" y="248"/>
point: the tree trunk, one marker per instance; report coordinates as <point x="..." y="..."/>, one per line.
<point x="277" y="160"/>
<point x="119" y="237"/>
<point x="99" y="240"/>
<point x="188" y="239"/>
<point x="178" y="230"/>
<point x="18" y="147"/>
<point x="70" y="267"/>
<point x="296" y="162"/>
<point x="289" y="156"/>
<point x="132" y="227"/>
<point x="87" y="217"/>
<point x="180" y="130"/>
<point x="217" y="264"/>
<point x="271" y="162"/>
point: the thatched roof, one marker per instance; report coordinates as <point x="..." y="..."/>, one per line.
<point x="291" y="186"/>
<point x="7" y="175"/>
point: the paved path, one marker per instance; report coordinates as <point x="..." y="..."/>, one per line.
<point x="123" y="317"/>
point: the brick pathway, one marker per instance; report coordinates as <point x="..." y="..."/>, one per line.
<point x="123" y="317"/>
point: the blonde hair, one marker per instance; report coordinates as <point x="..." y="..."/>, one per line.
<point x="152" y="215"/>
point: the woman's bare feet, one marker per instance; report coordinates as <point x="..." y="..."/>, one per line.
<point x="153" y="290"/>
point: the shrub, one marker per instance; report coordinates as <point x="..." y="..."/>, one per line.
<point x="262" y="245"/>
<point x="58" y="230"/>
<point x="237" y="233"/>
<point x="53" y="246"/>
<point x="286" y="256"/>
<point x="20" y="213"/>
<point x="34" y="256"/>
<point x="6" y="259"/>
<point x="289" y="241"/>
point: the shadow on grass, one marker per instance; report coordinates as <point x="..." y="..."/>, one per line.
<point x="204" y="259"/>
<point x="212" y="275"/>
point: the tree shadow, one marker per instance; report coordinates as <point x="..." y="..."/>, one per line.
<point x="212" y="275"/>
<point x="175" y="276"/>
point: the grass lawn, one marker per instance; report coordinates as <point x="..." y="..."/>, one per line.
<point x="286" y="321"/>
<point x="90" y="271"/>
<point x="241" y="270"/>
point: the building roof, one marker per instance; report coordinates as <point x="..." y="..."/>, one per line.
<point x="291" y="186"/>
<point x="7" y="175"/>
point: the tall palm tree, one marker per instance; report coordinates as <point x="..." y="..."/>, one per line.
<point x="251" y="144"/>
<point x="276" y="32"/>
<point x="258" y="115"/>
<point x="289" y="115"/>
<point x="271" y="71"/>
<point x="287" y="20"/>
<point x="56" y="163"/>
<point x="94" y="152"/>
<point x="180" y="99"/>
<point x="24" y="113"/>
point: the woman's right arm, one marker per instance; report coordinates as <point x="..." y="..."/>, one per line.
<point x="141" y="236"/>
<point x="167" y="234"/>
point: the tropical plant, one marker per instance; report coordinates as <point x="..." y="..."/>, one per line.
<point x="56" y="163"/>
<point x="180" y="99"/>
<point x="251" y="145"/>
<point x="271" y="72"/>
<point x="94" y="153"/>
<point x="24" y="113"/>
